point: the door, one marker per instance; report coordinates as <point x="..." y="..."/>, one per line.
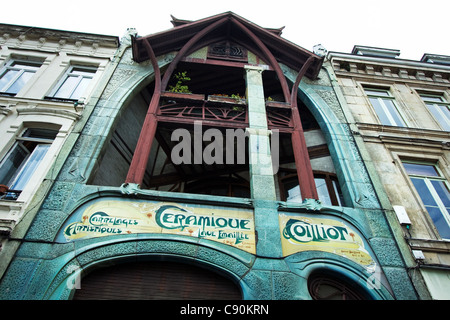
<point x="156" y="280"/>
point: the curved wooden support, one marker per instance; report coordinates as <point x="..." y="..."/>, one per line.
<point x="186" y="47"/>
<point x="142" y="152"/>
<point x="271" y="59"/>
<point x="298" y="79"/>
<point x="302" y="162"/>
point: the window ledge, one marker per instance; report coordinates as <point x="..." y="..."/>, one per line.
<point x="6" y="94"/>
<point x="398" y="132"/>
<point x="6" y="226"/>
<point x="435" y="245"/>
<point x="72" y="101"/>
<point x="6" y="205"/>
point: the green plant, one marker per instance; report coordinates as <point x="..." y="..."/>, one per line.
<point x="236" y="96"/>
<point x="179" y="86"/>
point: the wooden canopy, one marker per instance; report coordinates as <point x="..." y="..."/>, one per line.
<point x="229" y="27"/>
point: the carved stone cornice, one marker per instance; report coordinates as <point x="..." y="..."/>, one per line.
<point x="50" y="40"/>
<point x="45" y="110"/>
<point x="391" y="69"/>
<point x="404" y="136"/>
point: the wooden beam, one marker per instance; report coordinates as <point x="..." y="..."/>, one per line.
<point x="268" y="55"/>
<point x="139" y="162"/>
<point x="302" y="162"/>
<point x="186" y="48"/>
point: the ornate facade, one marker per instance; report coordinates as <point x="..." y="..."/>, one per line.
<point x="217" y="155"/>
<point x="399" y="113"/>
<point x="47" y="78"/>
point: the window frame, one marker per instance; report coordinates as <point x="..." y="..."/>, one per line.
<point x="371" y="93"/>
<point x="440" y="177"/>
<point x="9" y="66"/>
<point x="15" y="179"/>
<point x="342" y="288"/>
<point x="70" y="73"/>
<point x="440" y="114"/>
<point x="331" y="182"/>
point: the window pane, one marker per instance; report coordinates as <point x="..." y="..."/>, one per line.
<point x="292" y="188"/>
<point x="322" y="190"/>
<point x="30" y="167"/>
<point x="82" y="86"/>
<point x="25" y="156"/>
<point x="425" y="194"/>
<point x="20" y="82"/>
<point x="384" y="119"/>
<point x="294" y="195"/>
<point x="39" y="133"/>
<point x="394" y="113"/>
<point x="6" y="79"/>
<point x="442" y="191"/>
<point x="11" y="163"/>
<point x="441" y="114"/>
<point x="420" y="169"/>
<point x="439" y="221"/>
<point x="381" y="93"/>
<point x="444" y="120"/>
<point x="67" y="87"/>
<point x="433" y="98"/>
<point x="83" y="72"/>
<point x="33" y="66"/>
<point x="338" y="193"/>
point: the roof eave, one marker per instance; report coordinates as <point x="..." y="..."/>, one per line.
<point x="173" y="39"/>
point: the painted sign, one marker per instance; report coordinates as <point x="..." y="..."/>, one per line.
<point x="304" y="233"/>
<point x="233" y="227"/>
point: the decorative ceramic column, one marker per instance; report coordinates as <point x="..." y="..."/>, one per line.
<point x="261" y="172"/>
<point x="262" y="180"/>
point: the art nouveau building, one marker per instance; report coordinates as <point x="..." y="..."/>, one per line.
<point x="399" y="113"/>
<point x="47" y="78"/>
<point x="216" y="163"/>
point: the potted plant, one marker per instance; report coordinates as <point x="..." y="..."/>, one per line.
<point x="233" y="99"/>
<point x="180" y="89"/>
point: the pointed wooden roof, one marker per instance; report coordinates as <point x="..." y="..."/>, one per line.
<point x="174" y="39"/>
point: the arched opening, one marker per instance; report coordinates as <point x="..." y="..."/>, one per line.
<point x="206" y="82"/>
<point x="214" y="83"/>
<point x="325" y="285"/>
<point x="156" y="280"/>
<point x="204" y="109"/>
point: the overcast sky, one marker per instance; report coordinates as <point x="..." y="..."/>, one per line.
<point x="411" y="26"/>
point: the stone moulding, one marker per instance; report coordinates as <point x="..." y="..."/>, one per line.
<point x="94" y="253"/>
<point x="396" y="70"/>
<point x="38" y="110"/>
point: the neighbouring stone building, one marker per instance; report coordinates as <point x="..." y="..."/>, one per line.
<point x="215" y="160"/>
<point x="398" y="111"/>
<point x="47" y="78"/>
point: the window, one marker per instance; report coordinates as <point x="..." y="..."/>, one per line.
<point x="22" y="160"/>
<point x="433" y="189"/>
<point x="327" y="187"/>
<point x="439" y="108"/>
<point x="385" y="107"/>
<point x="323" y="286"/>
<point x="74" y="83"/>
<point x="16" y="74"/>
